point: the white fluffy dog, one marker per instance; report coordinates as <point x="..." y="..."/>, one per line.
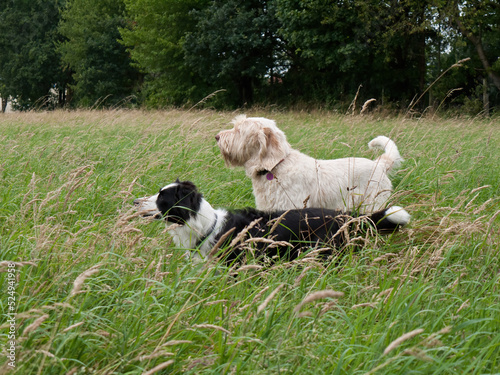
<point x="284" y="178"/>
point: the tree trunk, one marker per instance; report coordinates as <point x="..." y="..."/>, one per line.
<point x="4" y="105"/>
<point x="486" y="98"/>
<point x="245" y="91"/>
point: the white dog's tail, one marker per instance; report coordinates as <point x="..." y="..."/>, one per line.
<point x="390" y="219"/>
<point x="391" y="158"/>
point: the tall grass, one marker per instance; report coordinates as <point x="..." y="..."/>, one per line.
<point x="102" y="291"/>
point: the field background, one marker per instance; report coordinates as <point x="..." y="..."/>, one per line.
<point x="103" y="291"/>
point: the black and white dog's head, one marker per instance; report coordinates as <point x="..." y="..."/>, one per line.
<point x="176" y="203"/>
<point x="198" y="223"/>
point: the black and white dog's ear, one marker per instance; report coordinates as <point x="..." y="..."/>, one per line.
<point x="187" y="190"/>
<point x="193" y="197"/>
<point x="188" y="186"/>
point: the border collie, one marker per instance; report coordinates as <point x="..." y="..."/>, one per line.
<point x="202" y="230"/>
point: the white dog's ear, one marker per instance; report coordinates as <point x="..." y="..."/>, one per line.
<point x="272" y="149"/>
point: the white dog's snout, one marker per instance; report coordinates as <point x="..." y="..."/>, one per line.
<point x="146" y="206"/>
<point x="217" y="137"/>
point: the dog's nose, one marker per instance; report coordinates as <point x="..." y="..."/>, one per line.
<point x="217" y="137"/>
<point x="137" y="202"/>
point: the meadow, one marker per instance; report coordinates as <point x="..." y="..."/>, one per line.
<point x="99" y="290"/>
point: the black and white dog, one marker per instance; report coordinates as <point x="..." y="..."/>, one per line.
<point x="270" y="234"/>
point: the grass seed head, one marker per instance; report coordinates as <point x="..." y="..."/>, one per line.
<point x="34" y="326"/>
<point x="160" y="367"/>
<point x="269" y="298"/>
<point x="212" y="326"/>
<point x="393" y="345"/>
<point x="78" y="283"/>
<point x="322" y="294"/>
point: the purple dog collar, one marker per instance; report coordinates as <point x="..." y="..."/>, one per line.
<point x="269" y="175"/>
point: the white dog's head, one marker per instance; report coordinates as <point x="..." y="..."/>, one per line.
<point x="254" y="142"/>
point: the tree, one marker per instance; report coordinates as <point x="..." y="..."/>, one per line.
<point x="155" y="38"/>
<point x="479" y="22"/>
<point x="100" y="65"/>
<point x="326" y="43"/>
<point x="30" y="66"/>
<point x="336" y="46"/>
<point x="234" y="46"/>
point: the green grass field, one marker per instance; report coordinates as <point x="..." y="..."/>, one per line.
<point x="101" y="291"/>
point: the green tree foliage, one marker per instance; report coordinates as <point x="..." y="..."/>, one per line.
<point x="155" y="40"/>
<point x="464" y="30"/>
<point x="337" y="46"/>
<point x="235" y="46"/>
<point x="324" y="41"/>
<point x="100" y="64"/>
<point x="29" y="63"/>
<point x="479" y="22"/>
<point x="258" y="51"/>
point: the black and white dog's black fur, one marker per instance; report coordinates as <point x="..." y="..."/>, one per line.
<point x="200" y="226"/>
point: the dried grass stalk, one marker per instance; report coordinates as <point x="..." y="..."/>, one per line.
<point x="219" y="243"/>
<point x="463" y="306"/>
<point x="277" y="221"/>
<point x="216" y="302"/>
<point x="268" y="241"/>
<point x="33" y="326"/>
<point x="304" y="203"/>
<point x="402" y="339"/>
<point x="384" y="293"/>
<point x="479" y="188"/>
<point x="77" y="284"/>
<point x="258" y="295"/>
<point x="161" y="366"/>
<point x="418" y="353"/>
<point x="456" y="65"/>
<point x="177" y="342"/>
<point x="45" y="352"/>
<point x="322" y="294"/>
<point x="269" y="298"/>
<point x="243" y="233"/>
<point x="365" y="304"/>
<point x="211" y="326"/>
<point x="249" y="267"/>
<point x="491" y="221"/>
<point x="384" y="257"/>
<point x="209" y="96"/>
<point x="156" y="354"/>
<point x="73" y="326"/>
<point x="305" y="314"/>
<point x="366" y="104"/>
<point x="301" y="276"/>
<point x="313" y="254"/>
<point x="5" y="264"/>
<point x="103" y="333"/>
<point x="353" y="103"/>
<point x="444" y="330"/>
<point x="56" y="305"/>
<point x="328" y="306"/>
